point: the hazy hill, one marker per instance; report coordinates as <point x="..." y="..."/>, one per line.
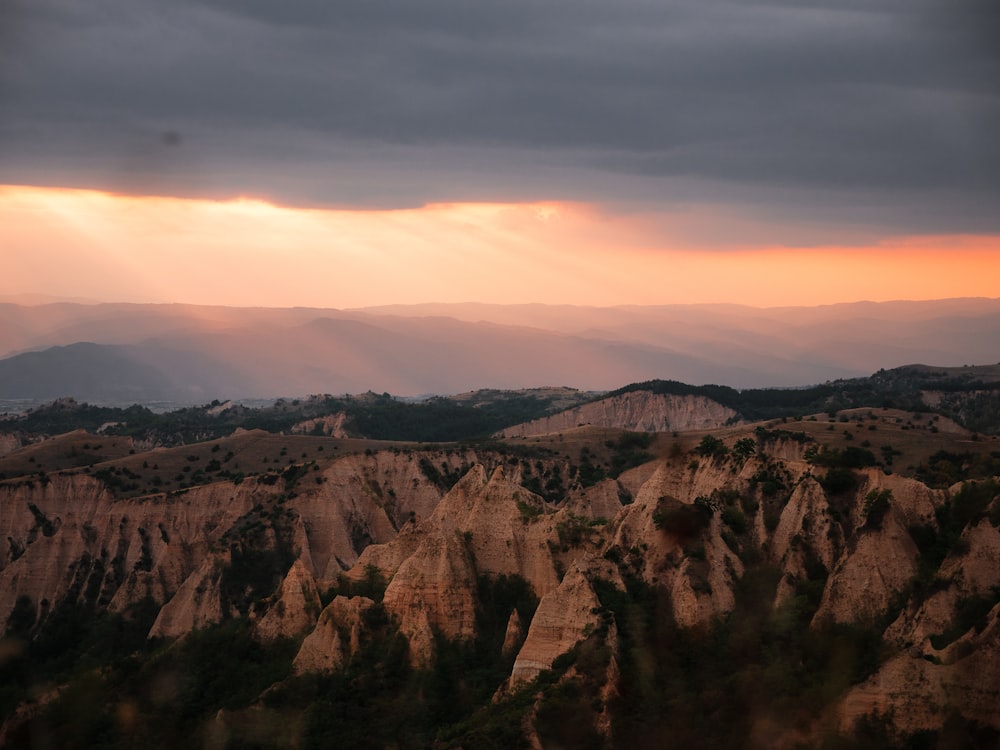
<point x="195" y="353"/>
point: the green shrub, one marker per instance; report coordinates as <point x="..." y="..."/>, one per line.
<point x="711" y="446"/>
<point x="734" y="519"/>
<point x="839" y="481"/>
<point x="875" y="507"/>
<point x="685" y="521"/>
<point x="529" y="512"/>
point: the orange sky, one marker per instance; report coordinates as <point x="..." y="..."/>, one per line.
<point x="78" y="243"/>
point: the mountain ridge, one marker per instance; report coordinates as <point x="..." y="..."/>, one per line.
<point x="262" y="352"/>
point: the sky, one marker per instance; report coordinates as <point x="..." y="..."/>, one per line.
<point x="368" y="152"/>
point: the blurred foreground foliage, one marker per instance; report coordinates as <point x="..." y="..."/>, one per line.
<point x="751" y="678"/>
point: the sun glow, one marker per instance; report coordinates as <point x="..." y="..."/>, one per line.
<point x="82" y="243"/>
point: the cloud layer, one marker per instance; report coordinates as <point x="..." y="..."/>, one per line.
<point x="814" y="115"/>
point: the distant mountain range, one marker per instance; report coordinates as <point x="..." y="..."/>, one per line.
<point x="124" y="353"/>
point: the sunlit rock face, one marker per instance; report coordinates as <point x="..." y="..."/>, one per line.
<point x="336" y="636"/>
<point x="331" y="425"/>
<point x="689" y="527"/>
<point x="638" y="410"/>
<point x="8" y="443"/>
<point x="71" y="538"/>
<point x="564" y="617"/>
<point x="294" y="607"/>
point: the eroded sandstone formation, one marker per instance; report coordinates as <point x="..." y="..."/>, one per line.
<point x="689" y="527"/>
<point x="642" y="411"/>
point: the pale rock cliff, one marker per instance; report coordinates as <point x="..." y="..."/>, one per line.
<point x="358" y="502"/>
<point x="877" y="565"/>
<point x="702" y="586"/>
<point x="913" y="500"/>
<point x="336" y="637"/>
<point x="501" y="536"/>
<point x="977" y="571"/>
<point x="602" y="500"/>
<point x="865" y="574"/>
<point x="332" y="425"/>
<point x="295" y="608"/>
<point x="386" y="558"/>
<point x="784" y="449"/>
<point x="642" y="411"/>
<point x="806" y="506"/>
<point x="8" y="443"/>
<point x="633" y="479"/>
<point x="916" y="693"/>
<point x="503" y="525"/>
<point x="197" y="603"/>
<point x="701" y="590"/>
<point x="880" y="559"/>
<point x="483" y="526"/>
<point x="514" y="635"/>
<point x="387" y="510"/>
<point x="670" y="479"/>
<point x="564" y="617"/>
<point x="71" y="537"/>
<point x="915" y="625"/>
<point x="434" y="589"/>
<point x="365" y="499"/>
<point x="806" y="533"/>
<point x="973" y="570"/>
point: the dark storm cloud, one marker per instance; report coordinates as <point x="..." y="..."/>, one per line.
<point x="396" y="102"/>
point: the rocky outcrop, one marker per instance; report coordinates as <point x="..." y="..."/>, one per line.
<point x="637" y="410"/>
<point x="971" y="571"/>
<point x="806" y="536"/>
<point x="877" y="566"/>
<point x="514" y="635"/>
<point x="565" y="616"/>
<point x="505" y="526"/>
<point x="915" y="692"/>
<point x="336" y="637"/>
<point x="294" y="608"/>
<point x="71" y="538"/>
<point x="8" y="443"/>
<point x="197" y="603"/>
<point x="482" y="526"/>
<point x="366" y="499"/>
<point x="913" y="501"/>
<point x="686" y="528"/>
<point x="434" y="590"/>
<point x="603" y="500"/>
<point x="332" y="425"/>
<point x="869" y="562"/>
<point x="701" y="585"/>
<point x="977" y="570"/>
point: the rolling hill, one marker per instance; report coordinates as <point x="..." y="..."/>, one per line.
<point x="193" y="354"/>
